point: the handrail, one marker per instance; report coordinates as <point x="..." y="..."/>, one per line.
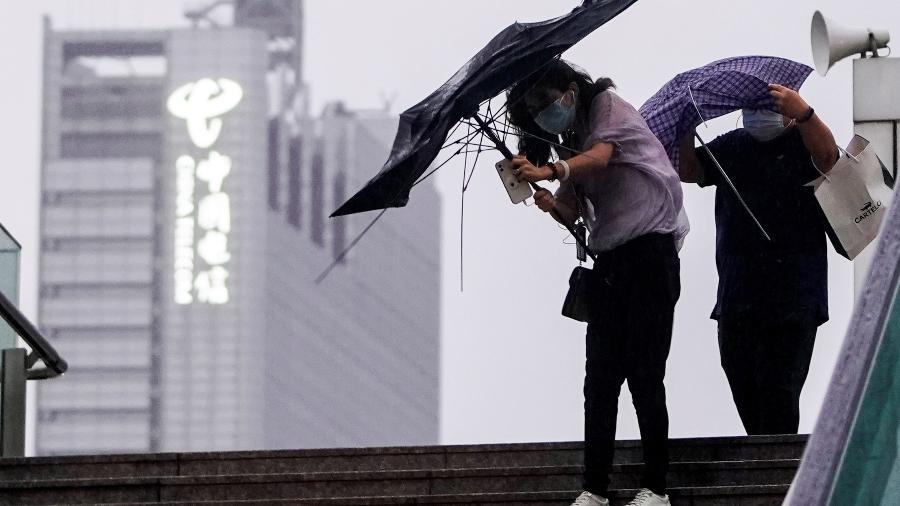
<point x="55" y="364"/>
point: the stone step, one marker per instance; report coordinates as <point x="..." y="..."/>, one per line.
<point x="503" y="480"/>
<point x="755" y="495"/>
<point x="392" y="458"/>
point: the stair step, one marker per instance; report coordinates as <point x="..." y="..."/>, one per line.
<point x="756" y="495"/>
<point x="413" y="483"/>
<point x="391" y="458"/>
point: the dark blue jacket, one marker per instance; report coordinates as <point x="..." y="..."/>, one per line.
<point x="778" y="280"/>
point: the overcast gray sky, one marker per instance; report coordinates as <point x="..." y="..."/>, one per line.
<point x="505" y="376"/>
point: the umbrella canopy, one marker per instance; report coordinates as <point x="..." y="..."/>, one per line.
<point x="714" y="90"/>
<point x="512" y="55"/>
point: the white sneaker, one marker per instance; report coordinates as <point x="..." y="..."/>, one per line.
<point x="646" y="497"/>
<point x="589" y="499"/>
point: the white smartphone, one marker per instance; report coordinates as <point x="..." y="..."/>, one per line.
<point x="518" y="191"/>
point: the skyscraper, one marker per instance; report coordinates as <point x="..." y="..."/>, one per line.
<point x="185" y="199"/>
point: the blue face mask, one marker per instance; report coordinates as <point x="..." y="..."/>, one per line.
<point x="556" y="118"/>
<point x="763" y="125"/>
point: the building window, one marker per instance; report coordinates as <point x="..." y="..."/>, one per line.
<point x="317" y="206"/>
<point x="111" y="102"/>
<point x="110" y="145"/>
<point x="274" y="159"/>
<point x="295" y="182"/>
<point x="339" y="225"/>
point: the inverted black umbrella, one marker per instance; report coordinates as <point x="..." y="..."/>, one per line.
<point x="515" y="53"/>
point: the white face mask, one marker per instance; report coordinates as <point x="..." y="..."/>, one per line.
<point x="763" y="125"/>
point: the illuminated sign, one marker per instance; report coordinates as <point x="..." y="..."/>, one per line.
<point x="201" y="104"/>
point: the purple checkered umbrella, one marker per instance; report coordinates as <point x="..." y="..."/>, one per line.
<point x="714" y="90"/>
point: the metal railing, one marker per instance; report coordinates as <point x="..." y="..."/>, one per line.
<point x="18" y="367"/>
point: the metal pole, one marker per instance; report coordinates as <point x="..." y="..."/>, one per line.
<point x="876" y="113"/>
<point x="733" y="188"/>
<point x="12" y="396"/>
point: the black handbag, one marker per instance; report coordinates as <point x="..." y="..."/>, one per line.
<point x="577" y="305"/>
<point x="579" y="298"/>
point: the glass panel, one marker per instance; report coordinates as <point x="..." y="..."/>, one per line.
<point x="295" y="182"/>
<point x="100" y="431"/>
<point x="870" y="470"/>
<point x="9" y="281"/>
<point x="110" y="145"/>
<point x="111" y="101"/>
<point x="274" y="163"/>
<point x="317" y="208"/>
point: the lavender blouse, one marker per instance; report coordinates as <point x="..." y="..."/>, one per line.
<point x="637" y="193"/>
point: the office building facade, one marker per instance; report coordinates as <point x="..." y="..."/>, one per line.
<point x="185" y="195"/>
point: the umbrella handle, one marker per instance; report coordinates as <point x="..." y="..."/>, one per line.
<point x="558" y="217"/>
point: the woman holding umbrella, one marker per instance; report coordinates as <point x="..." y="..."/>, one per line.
<point x="616" y="176"/>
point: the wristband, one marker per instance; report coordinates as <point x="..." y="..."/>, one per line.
<point x="806" y="117"/>
<point x="566" y="169"/>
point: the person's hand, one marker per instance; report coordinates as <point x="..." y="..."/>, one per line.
<point x="789" y="102"/>
<point x="525" y="171"/>
<point x="544" y="200"/>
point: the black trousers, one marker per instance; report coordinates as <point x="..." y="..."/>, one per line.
<point x="766" y="364"/>
<point x="635" y="287"/>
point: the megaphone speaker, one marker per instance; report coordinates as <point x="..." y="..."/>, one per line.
<point x="832" y="42"/>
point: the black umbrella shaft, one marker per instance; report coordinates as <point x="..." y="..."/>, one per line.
<point x="493" y="137"/>
<point x="501" y="146"/>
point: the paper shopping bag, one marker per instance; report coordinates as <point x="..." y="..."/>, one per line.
<point x="854" y="196"/>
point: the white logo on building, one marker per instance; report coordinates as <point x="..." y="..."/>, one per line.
<point x="201" y="104"/>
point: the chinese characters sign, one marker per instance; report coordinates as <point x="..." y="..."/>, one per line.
<point x="202" y="208"/>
